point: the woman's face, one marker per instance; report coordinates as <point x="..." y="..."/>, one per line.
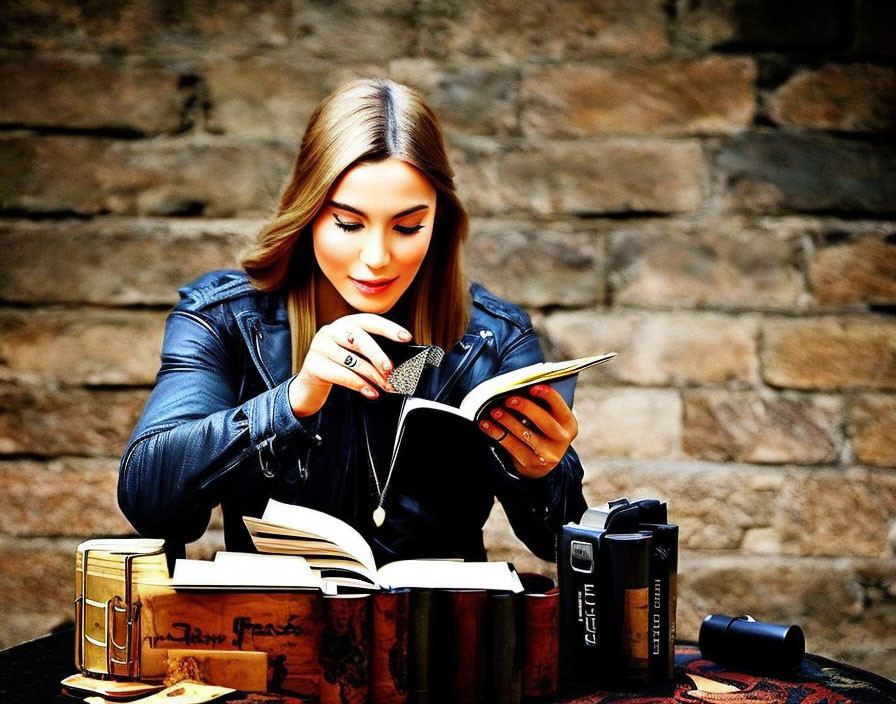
<point x="371" y="236"/>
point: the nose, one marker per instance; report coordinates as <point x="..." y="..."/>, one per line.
<point x="375" y="252"/>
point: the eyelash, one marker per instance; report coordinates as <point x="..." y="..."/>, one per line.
<point x="354" y="226"/>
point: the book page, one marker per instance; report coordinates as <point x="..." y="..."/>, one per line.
<point x="241" y="570"/>
<point x="541" y="372"/>
<point x="449" y="574"/>
<point x="319" y="524"/>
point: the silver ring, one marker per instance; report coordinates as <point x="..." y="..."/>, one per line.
<point x="524" y="421"/>
<point x="527" y="436"/>
<point x="541" y="460"/>
<point x="350" y="360"/>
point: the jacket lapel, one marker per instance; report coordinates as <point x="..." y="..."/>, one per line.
<point x="269" y="346"/>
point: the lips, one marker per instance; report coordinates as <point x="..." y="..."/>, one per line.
<point x="373" y="286"/>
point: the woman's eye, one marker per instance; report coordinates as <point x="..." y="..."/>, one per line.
<point x="347" y="226"/>
<point x="408" y="230"/>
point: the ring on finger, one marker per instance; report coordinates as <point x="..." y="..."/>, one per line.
<point x="503" y="435"/>
<point x="350" y="337"/>
<point x="527" y="436"/>
<point x="350" y="360"/>
<point x="541" y="460"/>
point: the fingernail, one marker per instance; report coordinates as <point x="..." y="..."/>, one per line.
<point x="387" y="366"/>
<point x="369" y="392"/>
<point x="404" y="335"/>
<point x="538" y="390"/>
<point x="497" y="413"/>
<point x="484" y="425"/>
<point x="514" y="402"/>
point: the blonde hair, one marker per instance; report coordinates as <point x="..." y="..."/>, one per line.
<point x="368" y="120"/>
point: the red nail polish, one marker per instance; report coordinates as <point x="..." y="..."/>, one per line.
<point x="484" y="425"/>
<point x="497" y="413"/>
<point x="514" y="402"/>
<point x="538" y="390"/>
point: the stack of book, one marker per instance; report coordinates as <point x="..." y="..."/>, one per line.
<point x="618" y="591"/>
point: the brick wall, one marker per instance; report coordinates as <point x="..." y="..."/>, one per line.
<point x="708" y="188"/>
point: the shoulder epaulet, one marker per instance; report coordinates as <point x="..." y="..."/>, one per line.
<point x="215" y="287"/>
<point x="492" y="305"/>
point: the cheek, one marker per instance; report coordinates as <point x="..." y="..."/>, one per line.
<point x="412" y="251"/>
<point x="330" y="248"/>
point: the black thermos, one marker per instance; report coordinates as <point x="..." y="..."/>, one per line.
<point x="743" y="643"/>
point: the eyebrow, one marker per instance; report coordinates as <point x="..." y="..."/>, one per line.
<point x="343" y="206"/>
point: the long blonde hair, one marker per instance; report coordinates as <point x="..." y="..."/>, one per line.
<point x="366" y="120"/>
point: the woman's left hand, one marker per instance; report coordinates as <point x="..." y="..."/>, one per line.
<point x="536" y="434"/>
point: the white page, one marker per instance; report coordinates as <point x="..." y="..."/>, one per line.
<point x="450" y="574"/>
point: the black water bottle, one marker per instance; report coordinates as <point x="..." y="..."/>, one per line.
<point x="743" y="643"/>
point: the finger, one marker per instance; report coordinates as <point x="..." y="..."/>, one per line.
<point x="557" y="405"/>
<point x="323" y="367"/>
<point x="530" y="414"/>
<point x="357" y="339"/>
<point x="378" y="325"/>
<point x="529" y="463"/>
<point x="349" y="360"/>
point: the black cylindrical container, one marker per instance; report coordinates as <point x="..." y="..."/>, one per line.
<point x="743" y="643"/>
<point x="628" y="607"/>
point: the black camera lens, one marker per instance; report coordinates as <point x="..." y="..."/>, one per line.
<point x="743" y="643"/>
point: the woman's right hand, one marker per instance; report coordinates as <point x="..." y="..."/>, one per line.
<point x="344" y="353"/>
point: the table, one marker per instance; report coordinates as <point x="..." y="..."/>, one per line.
<point x="30" y="673"/>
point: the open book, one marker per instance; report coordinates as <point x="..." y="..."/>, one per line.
<point x="339" y="555"/>
<point x="484" y="396"/>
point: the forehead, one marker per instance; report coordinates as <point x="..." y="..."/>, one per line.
<point x="388" y="185"/>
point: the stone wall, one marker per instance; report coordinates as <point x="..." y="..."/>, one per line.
<point x="708" y="188"/>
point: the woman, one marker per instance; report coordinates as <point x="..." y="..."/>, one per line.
<point x="276" y="382"/>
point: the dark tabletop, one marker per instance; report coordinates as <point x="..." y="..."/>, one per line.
<point x="31" y="672"/>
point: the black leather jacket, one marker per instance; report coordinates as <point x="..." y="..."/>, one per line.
<point x="218" y="428"/>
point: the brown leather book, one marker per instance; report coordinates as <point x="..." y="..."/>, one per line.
<point x="459" y="650"/>
<point x="505" y="632"/>
<point x="345" y="649"/>
<point x="389" y="649"/>
<point x="541" y="643"/>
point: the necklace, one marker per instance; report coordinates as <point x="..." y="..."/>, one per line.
<point x="379" y="513"/>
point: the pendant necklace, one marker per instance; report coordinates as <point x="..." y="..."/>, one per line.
<point x="379" y="513"/>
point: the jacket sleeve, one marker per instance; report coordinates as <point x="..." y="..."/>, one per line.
<point x="537" y="508"/>
<point x="194" y="437"/>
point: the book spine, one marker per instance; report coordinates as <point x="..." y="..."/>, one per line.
<point x="420" y="646"/>
<point x="663" y="600"/>
<point x="627" y="607"/>
<point x="504" y="647"/>
<point x="345" y="649"/>
<point x="541" y="642"/>
<point x="579" y="574"/>
<point x="459" y="664"/>
<point x="389" y="654"/>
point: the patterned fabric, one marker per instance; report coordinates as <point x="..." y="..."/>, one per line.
<point x="699" y="681"/>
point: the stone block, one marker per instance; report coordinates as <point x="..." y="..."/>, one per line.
<point x="536" y="265"/>
<point x="764" y="24"/>
<point x="566" y="29"/>
<point x="24" y="625"/>
<point x="80" y="346"/>
<point x="164" y="176"/>
<point x="70" y="496"/>
<point x="44" y="576"/>
<point x="661" y="348"/>
<point x="830" y="353"/>
<point x="580" y="178"/>
<point x="756" y="427"/>
<point x="470" y="97"/>
<point x="114" y="261"/>
<point x="628" y="422"/>
<point x="756" y="510"/>
<point x="857" y="97"/>
<point x="36" y="420"/>
<point x="854" y="269"/>
<point x="777" y="172"/>
<point x="734" y="263"/>
<point x="93" y="92"/>
<point x="503" y="546"/>
<point x="681" y="96"/>
<point x="166" y="27"/>
<point x="872" y="429"/>
<point x="845" y="608"/>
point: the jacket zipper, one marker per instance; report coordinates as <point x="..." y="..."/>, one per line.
<point x="257" y="337"/>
